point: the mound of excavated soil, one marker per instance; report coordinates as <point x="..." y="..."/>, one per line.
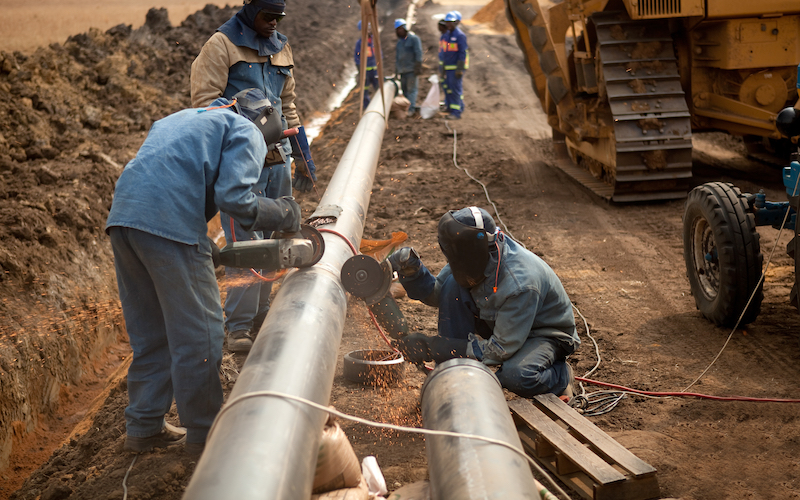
<point x="71" y="116"/>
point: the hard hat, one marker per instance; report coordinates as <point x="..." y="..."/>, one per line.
<point x="399" y="22"/>
<point x="254" y="105"/>
<point x="273" y="6"/>
<point x="450" y="17"/>
<point x="788" y="122"/>
<point x="458" y="15"/>
<point x="464" y="237"/>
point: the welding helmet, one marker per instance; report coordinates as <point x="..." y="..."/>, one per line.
<point x="254" y="105"/>
<point x="465" y="237"/>
<point x="450" y="17"/>
<point x="399" y="22"/>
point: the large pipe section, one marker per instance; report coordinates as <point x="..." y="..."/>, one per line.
<point x="266" y="447"/>
<point x="464" y="396"/>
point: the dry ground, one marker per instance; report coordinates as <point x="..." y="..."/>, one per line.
<point x="621" y="264"/>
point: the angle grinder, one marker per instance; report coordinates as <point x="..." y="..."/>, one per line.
<point x="283" y="251"/>
<point x="366" y="278"/>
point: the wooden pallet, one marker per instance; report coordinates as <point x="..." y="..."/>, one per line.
<point x="580" y="454"/>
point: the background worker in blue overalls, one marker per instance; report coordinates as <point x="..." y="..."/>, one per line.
<point x="249" y="52"/>
<point x="371" y="83"/>
<point x="454" y="56"/>
<point x="408" y="63"/>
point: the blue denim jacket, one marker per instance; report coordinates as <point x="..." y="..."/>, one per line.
<point x="407" y="54"/>
<point x="191" y="165"/>
<point x="529" y="301"/>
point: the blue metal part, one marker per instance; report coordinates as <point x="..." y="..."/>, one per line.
<point x="790" y="174"/>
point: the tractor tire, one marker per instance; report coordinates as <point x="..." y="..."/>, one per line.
<point x="722" y="253"/>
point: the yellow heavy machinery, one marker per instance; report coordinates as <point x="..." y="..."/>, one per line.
<point x="625" y="82"/>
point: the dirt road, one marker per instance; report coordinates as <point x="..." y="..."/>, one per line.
<point x="622" y="266"/>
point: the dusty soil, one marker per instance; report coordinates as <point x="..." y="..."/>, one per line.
<point x="621" y="264"/>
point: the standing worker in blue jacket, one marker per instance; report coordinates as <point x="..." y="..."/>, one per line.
<point x="371" y="83"/>
<point x="248" y="51"/>
<point x="498" y="303"/>
<point x="192" y="164"/>
<point x="408" y="62"/>
<point x="453" y="52"/>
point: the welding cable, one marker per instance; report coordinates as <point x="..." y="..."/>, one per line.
<point x="485" y="191"/>
<point x="656" y="394"/>
<point x="544" y="493"/>
<point x="125" y="479"/>
<point x="755" y="290"/>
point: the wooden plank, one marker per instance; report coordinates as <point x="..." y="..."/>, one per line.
<point x="569" y="447"/>
<point x="578" y="481"/>
<point x="603" y="443"/>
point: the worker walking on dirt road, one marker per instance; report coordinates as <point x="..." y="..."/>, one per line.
<point x="192" y="163"/>
<point x="248" y="51"/>
<point x="371" y="84"/>
<point x="408" y="62"/>
<point x="454" y="55"/>
<point x="498" y="303"/>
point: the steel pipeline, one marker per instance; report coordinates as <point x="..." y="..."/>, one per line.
<point x="266" y="447"/>
<point x="464" y="396"/>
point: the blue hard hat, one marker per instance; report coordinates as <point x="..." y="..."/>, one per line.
<point x="450" y="17"/>
<point x="399" y="22"/>
<point x="458" y="14"/>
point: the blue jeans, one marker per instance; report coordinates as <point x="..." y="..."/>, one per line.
<point x="247" y="302"/>
<point x="170" y="301"/>
<point x="538" y="367"/>
<point x="410" y="84"/>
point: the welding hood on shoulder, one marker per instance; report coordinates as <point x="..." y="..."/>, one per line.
<point x="254" y="105"/>
<point x="465" y="237"/>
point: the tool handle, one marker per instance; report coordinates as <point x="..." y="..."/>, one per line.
<point x="291" y="131"/>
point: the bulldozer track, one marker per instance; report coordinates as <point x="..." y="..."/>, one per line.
<point x="652" y="140"/>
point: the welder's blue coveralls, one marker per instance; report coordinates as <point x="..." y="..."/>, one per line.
<point x="190" y="165"/>
<point x="454" y="55"/>
<point x="527" y="322"/>
<point x="371" y="80"/>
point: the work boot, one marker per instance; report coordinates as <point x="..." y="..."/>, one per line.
<point x="240" y="341"/>
<point x="169" y="436"/>
<point x="569" y="391"/>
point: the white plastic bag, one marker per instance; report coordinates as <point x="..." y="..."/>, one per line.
<point x="430" y="106"/>
<point x="374" y="477"/>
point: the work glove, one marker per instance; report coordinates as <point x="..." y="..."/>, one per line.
<point x="405" y="261"/>
<point x="414" y="347"/>
<point x="291" y="219"/>
<point x="214" y="253"/>
<point x="443" y="348"/>
<point x="418" y="68"/>
<point x="459" y="69"/>
<point x="304" y="170"/>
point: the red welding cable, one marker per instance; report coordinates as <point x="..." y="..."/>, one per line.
<point x="355" y="252"/>
<point x="684" y="394"/>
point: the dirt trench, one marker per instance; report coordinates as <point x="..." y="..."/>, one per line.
<point x="622" y="266"/>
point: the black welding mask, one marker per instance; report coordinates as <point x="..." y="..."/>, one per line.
<point x="464" y="237"/>
<point x="254" y="105"/>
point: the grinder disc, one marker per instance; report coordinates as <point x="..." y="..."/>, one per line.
<point x="309" y="233"/>
<point x="366" y="278"/>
